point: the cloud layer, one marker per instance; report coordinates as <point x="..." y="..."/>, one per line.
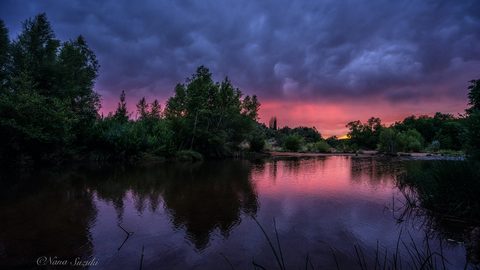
<point x="325" y="51"/>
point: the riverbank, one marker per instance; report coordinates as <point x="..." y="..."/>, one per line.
<point x="416" y="156"/>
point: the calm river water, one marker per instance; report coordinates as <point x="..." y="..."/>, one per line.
<point x="202" y="216"/>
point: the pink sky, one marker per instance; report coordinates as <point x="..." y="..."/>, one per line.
<point x="329" y="117"/>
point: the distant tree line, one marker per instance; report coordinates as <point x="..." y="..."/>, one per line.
<point x="442" y="133"/>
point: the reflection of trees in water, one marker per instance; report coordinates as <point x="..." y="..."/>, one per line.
<point x="209" y="197"/>
<point x="448" y="230"/>
<point x="373" y="170"/>
<point x="199" y="197"/>
<point x="44" y="217"/>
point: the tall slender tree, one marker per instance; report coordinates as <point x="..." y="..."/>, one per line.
<point x="142" y="109"/>
<point x="155" y="110"/>
<point x="121" y="114"/>
<point x="34" y="55"/>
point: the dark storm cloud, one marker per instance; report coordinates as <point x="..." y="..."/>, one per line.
<point x="401" y="50"/>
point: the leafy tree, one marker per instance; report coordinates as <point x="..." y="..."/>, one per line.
<point x="410" y="140"/>
<point x="473" y="120"/>
<point x="293" y="143"/>
<point x="309" y="135"/>
<point x="33" y="126"/>
<point x="50" y="107"/>
<point x="256" y="139"/>
<point x="77" y="69"/>
<point x="250" y="106"/>
<point x="208" y="116"/>
<point x="474" y="96"/>
<point x="34" y="56"/>
<point x="365" y="135"/>
<point x="388" y="141"/>
<point x="392" y="141"/>
<point x="155" y="110"/>
<point x="450" y="135"/>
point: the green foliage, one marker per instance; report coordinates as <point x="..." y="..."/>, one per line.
<point x="474" y="96"/>
<point x="388" y="141"/>
<point x="473" y="135"/>
<point x="35" y="56"/>
<point x="48" y="106"/>
<point x="410" y="141"/>
<point x="118" y="138"/>
<point x="473" y="121"/>
<point x="293" y="143"/>
<point x="307" y="134"/>
<point x="208" y="117"/>
<point x="444" y="128"/>
<point x="257" y="140"/>
<point x="450" y="135"/>
<point x="33" y="125"/>
<point x="365" y="135"/>
<point x="391" y="141"/>
<point x="319" y="147"/>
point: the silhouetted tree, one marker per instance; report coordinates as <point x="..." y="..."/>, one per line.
<point x="272" y="124"/>
<point x="365" y="135"/>
<point x="155" y="110"/>
<point x="473" y="120"/>
<point x="121" y="114"/>
<point x="142" y="109"/>
<point x="34" y="55"/>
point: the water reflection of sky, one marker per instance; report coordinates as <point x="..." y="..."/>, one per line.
<point x="318" y="204"/>
<point x="198" y="216"/>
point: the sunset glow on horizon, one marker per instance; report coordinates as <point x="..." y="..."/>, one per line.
<point x="329" y="118"/>
<point x="320" y="64"/>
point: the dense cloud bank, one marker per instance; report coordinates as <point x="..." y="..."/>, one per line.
<point x="400" y="51"/>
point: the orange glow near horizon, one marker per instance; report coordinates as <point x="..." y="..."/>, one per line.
<point x="328" y="117"/>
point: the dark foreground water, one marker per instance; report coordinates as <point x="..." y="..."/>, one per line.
<point x="201" y="216"/>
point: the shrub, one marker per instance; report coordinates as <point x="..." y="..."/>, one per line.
<point x="388" y="141"/>
<point x="319" y="147"/>
<point x="410" y="140"/>
<point x="292" y="143"/>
